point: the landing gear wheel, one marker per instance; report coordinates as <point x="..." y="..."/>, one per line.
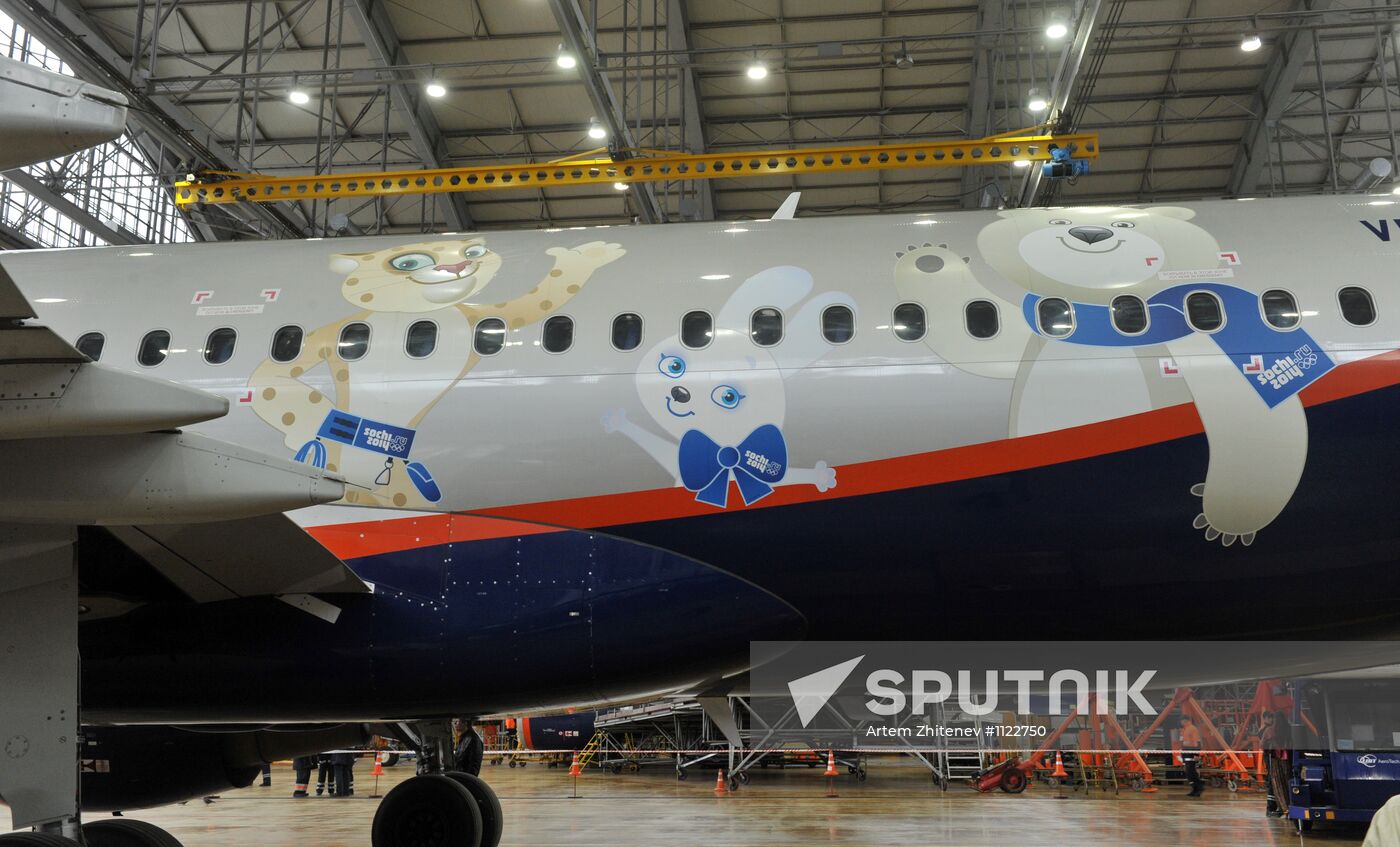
<point x="615" y="768"/>
<point x="35" y="839"/>
<point x="124" y="832"/>
<point x="513" y="763"/>
<point x="733" y="784"/>
<point x="427" y="811"/>
<point x="860" y="774"/>
<point x="744" y="777"/>
<point x="1232" y="786"/>
<point x="1137" y="783"/>
<point x="1013" y="781"/>
<point x="391" y="759"/>
<point x="492" y="819"/>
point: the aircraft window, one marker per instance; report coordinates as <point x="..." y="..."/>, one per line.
<point x="766" y="327"/>
<point x="354" y="341"/>
<point x="982" y="319"/>
<point x="421" y="339"/>
<point x="218" y="348"/>
<point x="558" y="334"/>
<point x="909" y="322"/>
<point x="1280" y="309"/>
<point x="490" y="337"/>
<point x="286" y="343"/>
<point x="1129" y="314"/>
<point x="1357" y="306"/>
<point x="1055" y="316"/>
<point x="154" y="348"/>
<point x="1203" y="311"/>
<point x="90" y="344"/>
<point x="697" y="329"/>
<point x="627" y="331"/>
<point x="838" y="324"/>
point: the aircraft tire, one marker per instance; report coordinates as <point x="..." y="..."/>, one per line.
<point x="429" y="809"/>
<point x="125" y="832"/>
<point x="35" y="839"/>
<point x="492" y="818"/>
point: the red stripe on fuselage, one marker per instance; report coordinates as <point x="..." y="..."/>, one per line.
<point x="350" y="541"/>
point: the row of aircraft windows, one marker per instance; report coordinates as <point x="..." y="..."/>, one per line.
<point x="1204" y="312"/>
<point x="1055" y="316"/>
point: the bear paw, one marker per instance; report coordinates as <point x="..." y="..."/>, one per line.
<point x="1212" y="534"/>
<point x="930" y="258"/>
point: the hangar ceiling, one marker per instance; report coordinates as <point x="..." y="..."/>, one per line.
<point x="1182" y="110"/>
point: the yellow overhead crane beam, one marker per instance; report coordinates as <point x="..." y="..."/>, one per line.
<point x="646" y="166"/>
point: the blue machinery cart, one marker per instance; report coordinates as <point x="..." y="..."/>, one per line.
<point x="1352" y="766"/>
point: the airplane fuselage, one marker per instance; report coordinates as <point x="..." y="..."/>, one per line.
<point x="1132" y="422"/>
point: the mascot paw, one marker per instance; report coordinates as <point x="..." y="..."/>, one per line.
<point x="1212" y="534"/>
<point x="613" y="419"/>
<point x="930" y="258"/>
<point x="826" y="477"/>
<point x="594" y="254"/>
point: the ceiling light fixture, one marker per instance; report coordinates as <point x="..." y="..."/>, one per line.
<point x="756" y="70"/>
<point x="435" y="89"/>
<point x="1036" y="101"/>
<point x="1251" y="43"/>
<point x="1055" y="30"/>
<point x="596" y="130"/>
<point x="298" y="96"/>
<point x="565" y="59"/>
<point x="620" y="186"/>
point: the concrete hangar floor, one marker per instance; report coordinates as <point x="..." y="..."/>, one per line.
<point x="897" y="805"/>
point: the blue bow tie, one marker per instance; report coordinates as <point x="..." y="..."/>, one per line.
<point x="759" y="461"/>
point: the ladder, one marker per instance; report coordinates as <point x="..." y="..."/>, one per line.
<point x="591" y="748"/>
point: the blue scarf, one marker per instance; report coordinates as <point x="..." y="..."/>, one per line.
<point x="1278" y="363"/>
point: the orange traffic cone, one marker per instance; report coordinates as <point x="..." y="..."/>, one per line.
<point x="575" y="769"/>
<point x="830" y="764"/>
<point x="720" y="787"/>
<point x="378" y="765"/>
<point x="1059" y="771"/>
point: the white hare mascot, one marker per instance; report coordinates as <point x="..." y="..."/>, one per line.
<point x="722" y="407"/>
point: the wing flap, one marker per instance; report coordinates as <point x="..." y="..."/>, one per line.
<point x="263" y="556"/>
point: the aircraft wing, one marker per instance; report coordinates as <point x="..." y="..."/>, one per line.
<point x="100" y="446"/>
<point x="264" y="555"/>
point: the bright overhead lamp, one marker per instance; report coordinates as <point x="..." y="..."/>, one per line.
<point x="565" y="59"/>
<point x="596" y="130"/>
<point x="619" y="186"/>
<point x="1022" y="163"/>
<point x="435" y="89"/>
<point x="1251" y="43"/>
<point x="298" y="96"/>
<point x="1036" y="101"/>
<point x="757" y="70"/>
<point x="1055" y="30"/>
